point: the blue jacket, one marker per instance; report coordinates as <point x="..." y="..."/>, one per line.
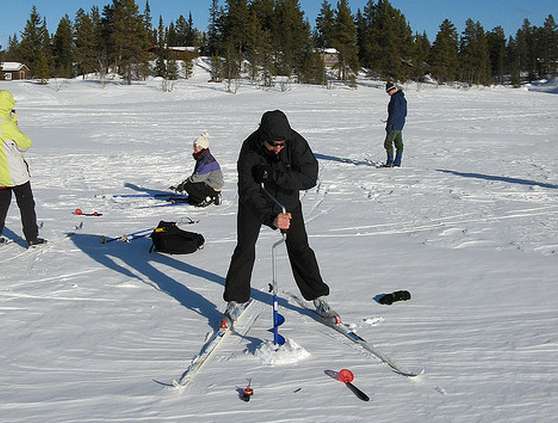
<point x="397" y="111"/>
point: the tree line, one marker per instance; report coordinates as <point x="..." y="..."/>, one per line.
<point x="263" y="39"/>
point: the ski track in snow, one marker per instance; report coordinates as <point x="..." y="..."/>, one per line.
<point x="468" y="225"/>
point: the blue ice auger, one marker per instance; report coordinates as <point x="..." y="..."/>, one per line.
<point x="278" y="319"/>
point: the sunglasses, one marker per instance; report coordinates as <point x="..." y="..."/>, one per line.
<point x="276" y="143"/>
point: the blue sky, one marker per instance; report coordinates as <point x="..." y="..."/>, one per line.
<point x="423" y="15"/>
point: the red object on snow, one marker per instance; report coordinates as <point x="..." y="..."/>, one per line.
<point x="345" y="376"/>
<point x="247" y="392"/>
<point x="79" y="212"/>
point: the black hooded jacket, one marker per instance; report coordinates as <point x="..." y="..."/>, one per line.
<point x="294" y="169"/>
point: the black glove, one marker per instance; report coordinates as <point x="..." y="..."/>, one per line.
<point x="389" y="299"/>
<point x="262" y="173"/>
<point x="179" y="187"/>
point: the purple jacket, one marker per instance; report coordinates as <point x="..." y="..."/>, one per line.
<point x="207" y="170"/>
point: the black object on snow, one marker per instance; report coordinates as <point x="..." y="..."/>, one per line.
<point x="388" y="299"/>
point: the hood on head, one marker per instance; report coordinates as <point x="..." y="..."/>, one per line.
<point x="274" y="126"/>
<point x="7" y="102"/>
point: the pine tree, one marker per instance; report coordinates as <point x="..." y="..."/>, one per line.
<point x="444" y="53"/>
<point x="148" y="24"/>
<point x="42" y="68"/>
<point x="525" y="39"/>
<point x="63" y="46"/>
<point x="182" y="31"/>
<point x="32" y="42"/>
<point x="236" y="19"/>
<point x="548" y="47"/>
<point x="309" y="66"/>
<point x="497" y="51"/>
<point x="46" y="59"/>
<point x="162" y="53"/>
<point x="214" y="30"/>
<point x="13" y="52"/>
<point x="172" y="36"/>
<point x="191" y="33"/>
<point x="102" y="35"/>
<point x="367" y="49"/>
<point x="389" y="41"/>
<point x="421" y="52"/>
<point x="325" y="26"/>
<point x="513" y="62"/>
<point x="128" y="38"/>
<point x="291" y="37"/>
<point x="258" y="51"/>
<point x="264" y="10"/>
<point x="85" y="43"/>
<point x="344" y="40"/>
<point x="172" y="70"/>
<point x="187" y="68"/>
<point x="234" y="34"/>
<point x="473" y="54"/>
<point x="216" y="70"/>
<point x="231" y="63"/>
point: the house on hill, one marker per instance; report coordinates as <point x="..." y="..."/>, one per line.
<point x="11" y="71"/>
<point x="330" y="56"/>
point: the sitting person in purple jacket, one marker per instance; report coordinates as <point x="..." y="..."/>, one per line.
<point x="205" y="184"/>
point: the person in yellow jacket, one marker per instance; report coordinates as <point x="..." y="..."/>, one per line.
<point x="14" y="171"/>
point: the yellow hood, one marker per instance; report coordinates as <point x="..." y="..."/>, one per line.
<point x="7" y="103"/>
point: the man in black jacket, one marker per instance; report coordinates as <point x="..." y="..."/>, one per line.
<point x="281" y="159"/>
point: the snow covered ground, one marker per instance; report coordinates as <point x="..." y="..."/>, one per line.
<point x="469" y="226"/>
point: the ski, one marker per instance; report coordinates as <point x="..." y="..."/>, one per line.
<point x="350" y="334"/>
<point x="163" y="196"/>
<point x="207" y="350"/>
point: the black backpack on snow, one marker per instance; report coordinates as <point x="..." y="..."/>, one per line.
<point x="170" y="239"/>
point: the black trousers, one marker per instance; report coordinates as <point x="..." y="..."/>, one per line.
<point x="198" y="191"/>
<point x="26" y="204"/>
<point x="303" y="261"/>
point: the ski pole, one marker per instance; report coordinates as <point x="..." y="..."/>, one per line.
<point x="278" y="319"/>
<point x="143" y="232"/>
<point x="127" y="237"/>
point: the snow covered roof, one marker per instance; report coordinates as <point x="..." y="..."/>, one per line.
<point x="180" y="48"/>
<point x="11" y="66"/>
<point x="329" y="51"/>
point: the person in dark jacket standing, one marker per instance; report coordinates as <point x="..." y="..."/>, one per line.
<point x="397" y="111"/>
<point x="281" y="159"/>
<point x="206" y="182"/>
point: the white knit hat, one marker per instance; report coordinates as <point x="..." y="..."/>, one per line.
<point x="202" y="140"/>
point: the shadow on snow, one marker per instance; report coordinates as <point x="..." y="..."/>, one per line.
<point x="138" y="263"/>
<point x="342" y="160"/>
<point x="499" y="178"/>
